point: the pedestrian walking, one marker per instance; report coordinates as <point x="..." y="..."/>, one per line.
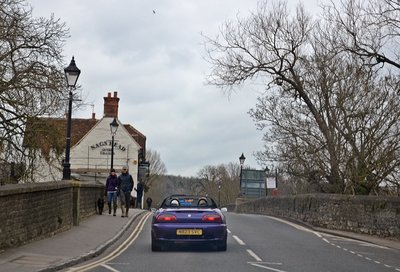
<point x="149" y="201"/>
<point x="139" y="194"/>
<point x="111" y="191"/>
<point x="125" y="186"/>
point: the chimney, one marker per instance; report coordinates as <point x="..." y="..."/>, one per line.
<point x="111" y="105"/>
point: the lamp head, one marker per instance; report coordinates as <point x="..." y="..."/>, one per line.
<point x="114" y="126"/>
<point x="72" y="73"/>
<point x="242" y="159"/>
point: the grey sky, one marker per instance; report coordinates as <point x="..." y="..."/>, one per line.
<point x="154" y="62"/>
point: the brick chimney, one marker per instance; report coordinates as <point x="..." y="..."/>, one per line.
<point x="111" y="105"/>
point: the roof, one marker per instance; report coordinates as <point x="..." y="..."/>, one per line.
<point x="49" y="133"/>
<point x="137" y="135"/>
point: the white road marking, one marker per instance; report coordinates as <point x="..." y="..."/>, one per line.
<point x="109" y="268"/>
<point x="240" y="242"/>
<point x="333" y="237"/>
<point x="266" y="267"/>
<point x="359" y="254"/>
<point x="252" y="254"/>
<point x="295" y="225"/>
<point x="361" y="243"/>
<point x="268" y="263"/>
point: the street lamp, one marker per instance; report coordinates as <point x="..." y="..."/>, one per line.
<point x="266" y="179"/>
<point x="242" y="158"/>
<point x="71" y="74"/>
<point x="113" y="126"/>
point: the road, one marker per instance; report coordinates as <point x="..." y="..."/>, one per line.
<point x="255" y="243"/>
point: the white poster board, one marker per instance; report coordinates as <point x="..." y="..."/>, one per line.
<point x="271" y="182"/>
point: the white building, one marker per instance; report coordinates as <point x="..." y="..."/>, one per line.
<point x="90" y="155"/>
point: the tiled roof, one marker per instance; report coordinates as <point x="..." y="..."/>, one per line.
<point x="50" y="133"/>
<point x="139" y="137"/>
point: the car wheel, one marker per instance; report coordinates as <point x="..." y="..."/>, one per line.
<point x="155" y="246"/>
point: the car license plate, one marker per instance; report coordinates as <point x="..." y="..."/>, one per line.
<point x="189" y="232"/>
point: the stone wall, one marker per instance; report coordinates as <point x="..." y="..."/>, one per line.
<point x="371" y="215"/>
<point x="34" y="211"/>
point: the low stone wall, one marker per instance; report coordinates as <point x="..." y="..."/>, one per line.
<point x="34" y="211"/>
<point x="379" y="216"/>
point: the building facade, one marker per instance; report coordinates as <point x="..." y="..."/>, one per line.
<point x="90" y="155"/>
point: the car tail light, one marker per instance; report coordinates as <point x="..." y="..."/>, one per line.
<point x="166" y="218"/>
<point x="212" y="218"/>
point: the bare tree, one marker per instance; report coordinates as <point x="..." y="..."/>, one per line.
<point x="31" y="78"/>
<point x="157" y="167"/>
<point x="363" y="113"/>
<point x="220" y="182"/>
<point x="272" y="44"/>
<point x="369" y="29"/>
<point x="332" y="118"/>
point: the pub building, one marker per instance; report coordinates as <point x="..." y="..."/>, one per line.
<point x="90" y="155"/>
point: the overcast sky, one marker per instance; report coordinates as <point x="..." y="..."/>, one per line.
<point x="155" y="63"/>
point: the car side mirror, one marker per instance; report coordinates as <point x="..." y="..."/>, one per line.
<point x="224" y="209"/>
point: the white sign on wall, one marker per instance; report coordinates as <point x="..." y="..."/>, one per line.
<point x="271" y="182"/>
<point x="105" y="147"/>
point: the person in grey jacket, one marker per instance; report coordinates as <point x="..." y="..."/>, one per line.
<point x="125" y="187"/>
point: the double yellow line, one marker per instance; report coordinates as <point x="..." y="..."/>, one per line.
<point x="118" y="251"/>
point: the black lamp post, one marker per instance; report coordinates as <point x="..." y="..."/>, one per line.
<point x="113" y="126"/>
<point x="266" y="179"/>
<point x="242" y="158"/>
<point x="71" y="74"/>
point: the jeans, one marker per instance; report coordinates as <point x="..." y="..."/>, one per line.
<point x="139" y="202"/>
<point x="112" y="197"/>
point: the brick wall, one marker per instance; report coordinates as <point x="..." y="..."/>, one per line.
<point x="34" y="211"/>
<point x="371" y="215"/>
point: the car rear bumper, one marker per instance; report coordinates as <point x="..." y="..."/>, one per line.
<point x="210" y="233"/>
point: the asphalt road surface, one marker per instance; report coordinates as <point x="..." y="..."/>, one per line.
<point x="255" y="243"/>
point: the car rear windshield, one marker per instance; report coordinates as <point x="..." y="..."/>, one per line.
<point x="188" y="201"/>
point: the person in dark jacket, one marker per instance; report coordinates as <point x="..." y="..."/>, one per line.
<point x="111" y="191"/>
<point x="139" y="194"/>
<point x="125" y="187"/>
<point x="149" y="201"/>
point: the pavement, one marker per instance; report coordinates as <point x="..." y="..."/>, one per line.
<point x="76" y="245"/>
<point x="94" y="235"/>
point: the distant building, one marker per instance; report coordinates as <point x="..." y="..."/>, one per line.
<point x="90" y="155"/>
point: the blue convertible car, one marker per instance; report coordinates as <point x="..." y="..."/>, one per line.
<point x="188" y="219"/>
